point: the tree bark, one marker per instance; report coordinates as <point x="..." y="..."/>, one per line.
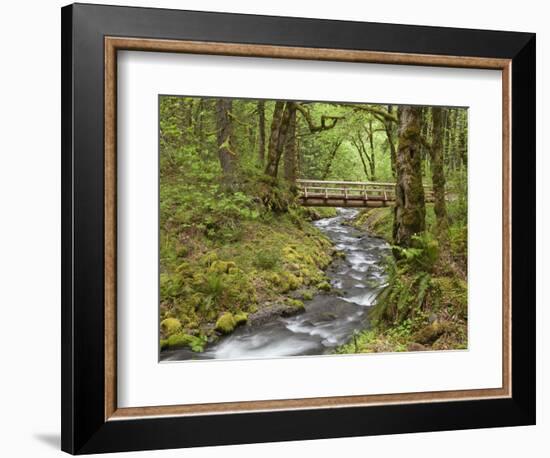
<point x="410" y="209"/>
<point x="463" y="138"/>
<point x="290" y="146"/>
<point x="261" y="129"/>
<point x="331" y="158"/>
<point x="438" y="177"/>
<point x="372" y="159"/>
<point x="279" y="127"/>
<point x="390" y="132"/>
<point x="224" y="127"/>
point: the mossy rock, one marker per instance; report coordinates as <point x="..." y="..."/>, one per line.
<point x="340" y="254"/>
<point x="324" y="286"/>
<point x="170" y="326"/>
<point x="182" y="340"/>
<point x="226" y="323"/>
<point x="296" y="304"/>
<point x="430" y="333"/>
<point x="240" y="318"/>
<point x="307" y="295"/>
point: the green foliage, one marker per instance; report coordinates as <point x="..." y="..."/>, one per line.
<point x="422" y="255"/>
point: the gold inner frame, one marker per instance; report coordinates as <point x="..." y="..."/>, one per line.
<point x="112" y="45"/>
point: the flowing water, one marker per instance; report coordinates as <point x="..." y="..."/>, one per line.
<point x="329" y="320"/>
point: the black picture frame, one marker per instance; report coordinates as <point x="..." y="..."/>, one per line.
<point x="84" y="428"/>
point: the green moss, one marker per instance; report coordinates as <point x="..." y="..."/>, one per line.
<point x="431" y="332"/>
<point x="324" y="286"/>
<point x="267" y="259"/>
<point x="182" y="340"/>
<point x="276" y="254"/>
<point x="226" y="323"/>
<point x="274" y="278"/>
<point x="209" y="258"/>
<point x="295" y="303"/>
<point x="307" y="295"/>
<point x="221" y="267"/>
<point x="377" y="221"/>
<point x="292" y="281"/>
<point x="241" y="318"/>
<point x="170" y="326"/>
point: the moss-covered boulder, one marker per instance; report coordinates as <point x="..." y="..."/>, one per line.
<point x="296" y="304"/>
<point x="240" y="318"/>
<point x="170" y="326"/>
<point x="182" y="340"/>
<point x="324" y="286"/>
<point x="226" y="323"/>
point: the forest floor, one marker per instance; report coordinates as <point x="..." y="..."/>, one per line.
<point x="422" y="308"/>
<point x="228" y="265"/>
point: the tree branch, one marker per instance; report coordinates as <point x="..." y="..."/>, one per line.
<point x="374" y="110"/>
<point x="325" y="124"/>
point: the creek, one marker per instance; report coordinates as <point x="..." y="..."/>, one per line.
<point x="329" y="319"/>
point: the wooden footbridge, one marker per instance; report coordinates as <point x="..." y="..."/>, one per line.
<point x="317" y="193"/>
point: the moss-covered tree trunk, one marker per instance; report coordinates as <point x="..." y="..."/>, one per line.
<point x="225" y="142"/>
<point x="389" y="127"/>
<point x="438" y="176"/>
<point x="372" y="158"/>
<point x="410" y="209"/>
<point x="277" y="139"/>
<point x="463" y="137"/>
<point x="290" y="146"/>
<point x="261" y="131"/>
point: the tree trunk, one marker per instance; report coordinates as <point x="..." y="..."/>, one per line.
<point x="390" y="130"/>
<point x="277" y="139"/>
<point x="362" y="151"/>
<point x="225" y="142"/>
<point x="463" y="138"/>
<point x="372" y="159"/>
<point x="410" y="209"/>
<point x="199" y="127"/>
<point x="261" y="129"/>
<point x="290" y="147"/>
<point x="331" y="158"/>
<point x="438" y="177"/>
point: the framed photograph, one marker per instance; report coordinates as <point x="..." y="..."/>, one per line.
<point x="281" y="228"/>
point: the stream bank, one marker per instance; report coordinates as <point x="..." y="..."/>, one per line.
<point x="329" y="319"/>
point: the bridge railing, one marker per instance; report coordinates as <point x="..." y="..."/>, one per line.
<point x="364" y="190"/>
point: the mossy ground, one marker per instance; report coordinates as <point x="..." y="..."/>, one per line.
<point x="220" y="266"/>
<point x="426" y="306"/>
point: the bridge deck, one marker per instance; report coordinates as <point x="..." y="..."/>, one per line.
<point x="317" y="193"/>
